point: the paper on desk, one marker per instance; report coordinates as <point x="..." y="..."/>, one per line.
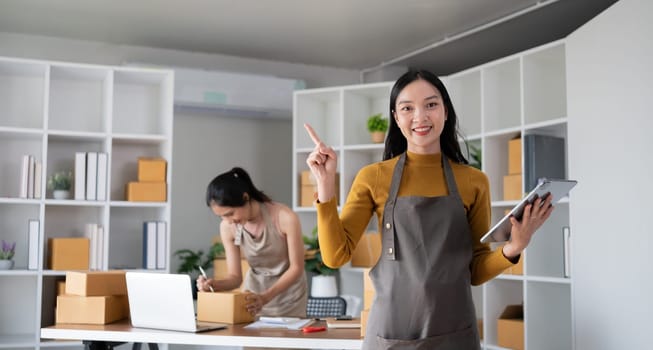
<point x="278" y="323"/>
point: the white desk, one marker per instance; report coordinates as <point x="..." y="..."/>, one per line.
<point x="234" y="335"/>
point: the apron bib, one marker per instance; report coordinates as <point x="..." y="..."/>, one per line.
<point x="422" y="280"/>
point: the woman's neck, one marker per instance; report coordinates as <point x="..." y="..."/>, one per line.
<point x="255" y="214"/>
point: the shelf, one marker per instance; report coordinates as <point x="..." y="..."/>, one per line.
<point x="51" y="110"/>
<point x="73" y="202"/>
<point x="465" y="92"/>
<point x="125" y="204"/>
<point x="18" y="272"/>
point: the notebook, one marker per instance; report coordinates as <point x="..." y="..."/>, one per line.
<point x="163" y="301"/>
<point x="554" y="187"/>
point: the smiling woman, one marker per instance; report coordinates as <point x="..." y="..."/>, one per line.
<point x="432" y="209"/>
<point x="269" y="235"/>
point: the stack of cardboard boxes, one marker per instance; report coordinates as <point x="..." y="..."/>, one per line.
<point x="512" y="183"/>
<point x="308" y="189"/>
<point x="92" y="297"/>
<point x="151" y="185"/>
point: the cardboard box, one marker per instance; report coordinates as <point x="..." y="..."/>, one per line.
<point x="368" y="290"/>
<point x="364" y="316"/>
<point x="222" y="307"/>
<point x="91" y="310"/>
<point x="367" y="251"/>
<point x="151" y="169"/>
<point x="96" y="283"/>
<point x="61" y="288"/>
<point x="368" y="299"/>
<point x="220" y="269"/>
<point x="514" y="156"/>
<point x="146" y="191"/>
<point x="308" y="188"/>
<point x="512" y="187"/>
<point x="367" y="281"/>
<point x="510" y="327"/>
<point x="479" y="325"/>
<point x="68" y="253"/>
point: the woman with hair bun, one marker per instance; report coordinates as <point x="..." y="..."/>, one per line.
<point x="269" y="235"/>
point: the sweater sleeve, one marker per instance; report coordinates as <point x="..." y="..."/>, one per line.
<point x="486" y="264"/>
<point x="338" y="236"/>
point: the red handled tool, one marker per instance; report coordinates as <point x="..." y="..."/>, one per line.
<point x="310" y="329"/>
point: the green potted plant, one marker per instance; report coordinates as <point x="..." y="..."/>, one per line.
<point x="191" y="260"/>
<point x="475" y="156"/>
<point x="377" y="126"/>
<point x="323" y="280"/>
<point x="60" y="183"/>
<point x="6" y="254"/>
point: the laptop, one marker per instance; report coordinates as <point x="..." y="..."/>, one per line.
<point x="164" y="301"/>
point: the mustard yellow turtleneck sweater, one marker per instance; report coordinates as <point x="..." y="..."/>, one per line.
<point x="423" y="176"/>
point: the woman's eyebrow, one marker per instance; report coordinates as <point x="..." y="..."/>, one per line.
<point x="426" y="99"/>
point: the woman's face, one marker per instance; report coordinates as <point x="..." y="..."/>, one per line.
<point x="420" y="115"/>
<point x="233" y="215"/>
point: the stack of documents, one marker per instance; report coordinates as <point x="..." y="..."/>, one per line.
<point x="280" y="322"/>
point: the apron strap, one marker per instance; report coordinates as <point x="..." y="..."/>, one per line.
<point x="388" y="226"/>
<point x="448" y="176"/>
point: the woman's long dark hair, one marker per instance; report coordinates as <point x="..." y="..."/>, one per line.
<point x="396" y="144"/>
<point x="228" y="189"/>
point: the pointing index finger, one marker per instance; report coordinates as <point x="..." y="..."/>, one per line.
<point x="312" y="134"/>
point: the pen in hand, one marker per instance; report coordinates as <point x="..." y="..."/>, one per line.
<point x="204" y="275"/>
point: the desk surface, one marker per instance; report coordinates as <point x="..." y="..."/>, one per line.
<point x="234" y="335"/>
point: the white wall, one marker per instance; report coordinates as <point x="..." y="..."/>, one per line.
<point x="206" y="145"/>
<point x="203" y="144"/>
<point x="610" y="122"/>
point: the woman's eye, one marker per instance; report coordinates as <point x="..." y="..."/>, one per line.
<point x="431" y="105"/>
<point x="406" y="108"/>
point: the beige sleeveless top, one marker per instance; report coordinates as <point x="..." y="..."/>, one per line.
<point x="268" y="259"/>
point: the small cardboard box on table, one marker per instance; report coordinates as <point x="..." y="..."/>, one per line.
<point x="222" y="307"/>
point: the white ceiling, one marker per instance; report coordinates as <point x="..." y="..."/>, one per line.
<point x="354" y="34"/>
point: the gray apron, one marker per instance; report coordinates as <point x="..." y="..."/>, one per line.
<point x="422" y="280"/>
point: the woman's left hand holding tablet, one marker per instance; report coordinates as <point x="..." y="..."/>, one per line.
<point x="534" y="216"/>
<point x="323" y="162"/>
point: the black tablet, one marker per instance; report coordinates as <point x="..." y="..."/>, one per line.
<point x="557" y="188"/>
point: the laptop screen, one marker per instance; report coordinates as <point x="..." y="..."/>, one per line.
<point x="162" y="301"/>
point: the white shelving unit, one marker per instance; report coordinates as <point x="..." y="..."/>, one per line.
<point x="52" y="110"/>
<point x="517" y="95"/>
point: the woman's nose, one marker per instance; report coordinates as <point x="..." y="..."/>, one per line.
<point x="420" y="114"/>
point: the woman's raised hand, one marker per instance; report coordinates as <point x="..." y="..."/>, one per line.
<point x="323" y="163"/>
